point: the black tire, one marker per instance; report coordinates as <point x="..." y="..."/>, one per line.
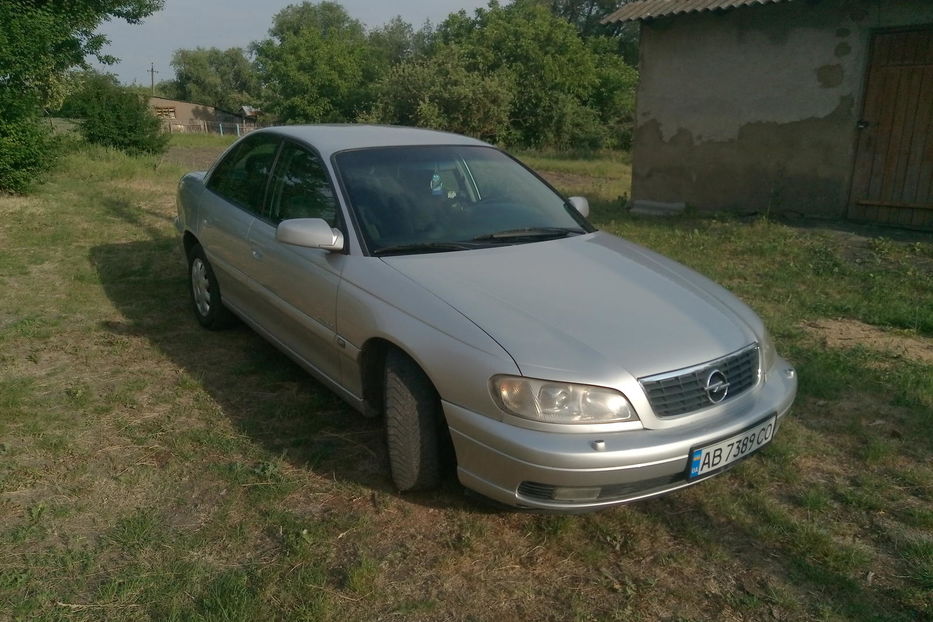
<point x="205" y="292"/>
<point x="414" y="424"/>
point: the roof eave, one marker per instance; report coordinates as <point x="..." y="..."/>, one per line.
<point x="652" y="9"/>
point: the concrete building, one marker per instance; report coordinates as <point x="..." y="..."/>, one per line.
<point x="819" y="107"/>
<point x="182" y="116"/>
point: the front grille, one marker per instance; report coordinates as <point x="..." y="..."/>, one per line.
<point x="684" y="391"/>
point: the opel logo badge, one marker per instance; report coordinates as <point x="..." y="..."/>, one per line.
<point x="716" y="386"/>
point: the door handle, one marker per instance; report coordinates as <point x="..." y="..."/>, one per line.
<point x="256" y="253"/>
<point x="862" y="124"/>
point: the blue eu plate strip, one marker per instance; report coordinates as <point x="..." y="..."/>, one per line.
<point x="695" y="467"/>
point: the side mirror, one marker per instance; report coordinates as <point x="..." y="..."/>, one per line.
<point x="310" y="233"/>
<point x="581" y="205"/>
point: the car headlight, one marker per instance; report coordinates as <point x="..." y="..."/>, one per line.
<point x="560" y="402"/>
<point x="768" y="353"/>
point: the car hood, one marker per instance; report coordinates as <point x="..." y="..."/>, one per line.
<point x="587" y="308"/>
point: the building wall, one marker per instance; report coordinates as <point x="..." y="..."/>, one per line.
<point x="190" y="113"/>
<point x="755" y="109"/>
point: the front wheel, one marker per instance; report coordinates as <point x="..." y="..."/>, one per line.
<point x="414" y="423"/>
<point x="205" y="292"/>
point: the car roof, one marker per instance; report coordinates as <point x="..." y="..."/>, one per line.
<point x="329" y="139"/>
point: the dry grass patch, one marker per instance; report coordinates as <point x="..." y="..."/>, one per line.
<point x="848" y="333"/>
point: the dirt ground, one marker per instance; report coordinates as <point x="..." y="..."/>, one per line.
<point x="847" y="333"/>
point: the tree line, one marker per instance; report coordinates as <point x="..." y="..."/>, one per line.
<point x="531" y="73"/>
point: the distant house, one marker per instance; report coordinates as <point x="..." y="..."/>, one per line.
<point x="250" y="113"/>
<point x="819" y="107"/>
<point x="182" y="116"/>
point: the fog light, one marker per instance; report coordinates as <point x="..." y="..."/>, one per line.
<point x="576" y="494"/>
<point x="789" y="373"/>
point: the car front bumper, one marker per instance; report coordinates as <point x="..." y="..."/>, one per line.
<point x="582" y="471"/>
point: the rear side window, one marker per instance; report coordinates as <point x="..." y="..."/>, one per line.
<point x="301" y="187"/>
<point x="242" y="176"/>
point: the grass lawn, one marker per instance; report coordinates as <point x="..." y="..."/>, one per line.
<point x="151" y="470"/>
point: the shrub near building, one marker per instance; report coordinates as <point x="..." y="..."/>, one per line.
<point x="116" y="117"/>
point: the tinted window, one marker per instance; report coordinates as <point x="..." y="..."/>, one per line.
<point x="300" y="187"/>
<point x="241" y="177"/>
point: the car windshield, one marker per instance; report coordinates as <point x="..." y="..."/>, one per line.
<point x="446" y="198"/>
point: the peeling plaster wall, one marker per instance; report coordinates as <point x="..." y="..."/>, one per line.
<point x="755" y="108"/>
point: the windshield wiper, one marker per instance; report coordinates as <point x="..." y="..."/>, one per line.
<point x="531" y="232"/>
<point x="423" y="247"/>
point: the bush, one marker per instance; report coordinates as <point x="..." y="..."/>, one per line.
<point x="26" y="152"/>
<point x="116" y="117"/>
<point x="441" y="93"/>
<point x="81" y="91"/>
<point x="574" y="125"/>
<point x="614" y="96"/>
<point x="564" y="91"/>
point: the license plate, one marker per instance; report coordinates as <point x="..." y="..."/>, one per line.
<point x="706" y="460"/>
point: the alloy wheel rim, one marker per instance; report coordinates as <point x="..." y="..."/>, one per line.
<point x="200" y="286"/>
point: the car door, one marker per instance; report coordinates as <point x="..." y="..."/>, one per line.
<point x="300" y="284"/>
<point x="236" y="194"/>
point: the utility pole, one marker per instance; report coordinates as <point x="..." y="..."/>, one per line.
<point x="152" y="73"/>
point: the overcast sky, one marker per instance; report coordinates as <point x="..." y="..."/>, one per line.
<point x="236" y="23"/>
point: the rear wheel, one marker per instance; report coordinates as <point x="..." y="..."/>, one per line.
<point x="205" y="292"/>
<point x="414" y="424"/>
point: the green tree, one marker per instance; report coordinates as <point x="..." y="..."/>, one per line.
<point x="587" y="16"/>
<point x="40" y="40"/>
<point x="316" y="65"/>
<point x="222" y="78"/>
<point x="570" y="89"/>
<point x="116" y="117"/>
<point x="554" y="72"/>
<point x="82" y="87"/>
<point x="394" y="41"/>
<point x="167" y="88"/>
<point x="614" y="95"/>
<point x="440" y="92"/>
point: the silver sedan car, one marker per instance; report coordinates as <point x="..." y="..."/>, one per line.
<point x="433" y="280"/>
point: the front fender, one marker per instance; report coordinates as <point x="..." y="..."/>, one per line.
<point x="377" y="301"/>
<point x="187" y="196"/>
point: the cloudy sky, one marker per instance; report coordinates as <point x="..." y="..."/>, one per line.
<point x="236" y="23"/>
